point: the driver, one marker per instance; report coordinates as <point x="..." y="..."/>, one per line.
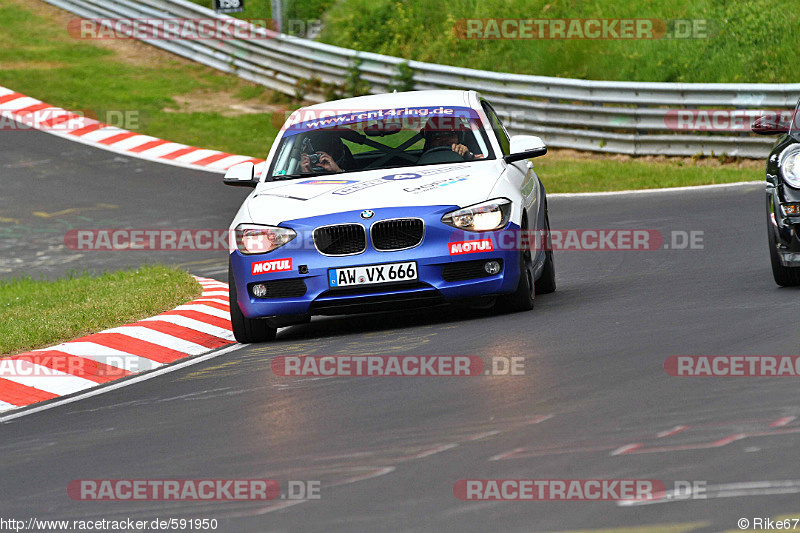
<point x="323" y="152"/>
<point x="442" y="131"/>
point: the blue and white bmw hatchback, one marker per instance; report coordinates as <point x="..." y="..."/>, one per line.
<point x="384" y="202"/>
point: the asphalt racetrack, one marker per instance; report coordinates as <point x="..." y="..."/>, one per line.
<point x="594" y="400"/>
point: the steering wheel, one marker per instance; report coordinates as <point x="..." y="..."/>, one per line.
<point x="440" y="150"/>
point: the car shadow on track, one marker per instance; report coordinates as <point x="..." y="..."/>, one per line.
<point x="333" y="326"/>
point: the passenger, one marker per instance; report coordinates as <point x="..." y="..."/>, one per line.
<point x="324" y="152"/>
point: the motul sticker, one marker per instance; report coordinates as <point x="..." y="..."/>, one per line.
<point x="471" y="247"/>
<point x="276" y="265"/>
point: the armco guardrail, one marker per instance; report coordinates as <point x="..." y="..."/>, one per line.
<point x="605" y="116"/>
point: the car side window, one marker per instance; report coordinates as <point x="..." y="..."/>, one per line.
<point x="497" y="126"/>
<point x="794" y="128"/>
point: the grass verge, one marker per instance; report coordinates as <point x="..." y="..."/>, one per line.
<point x="561" y="173"/>
<point x="743" y="41"/>
<point x="36" y="313"/>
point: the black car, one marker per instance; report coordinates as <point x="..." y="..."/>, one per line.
<point x="783" y="196"/>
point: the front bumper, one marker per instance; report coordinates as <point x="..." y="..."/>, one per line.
<point x="785" y="229"/>
<point x="432" y="257"/>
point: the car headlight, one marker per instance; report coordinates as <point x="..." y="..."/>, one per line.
<point x="790" y="166"/>
<point x="254" y="239"/>
<point x="485" y="216"/>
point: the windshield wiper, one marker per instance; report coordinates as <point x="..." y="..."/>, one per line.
<point x="279" y="177"/>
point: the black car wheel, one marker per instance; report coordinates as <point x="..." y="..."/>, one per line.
<point x="784" y="276"/>
<point x="246" y="330"/>
<point x="547" y="281"/>
<point x="522" y="298"/>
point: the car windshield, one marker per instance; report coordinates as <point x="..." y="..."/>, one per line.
<point x="794" y="128"/>
<point x="319" y="143"/>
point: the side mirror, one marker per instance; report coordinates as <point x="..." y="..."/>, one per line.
<point x="241" y="175"/>
<point x="525" y="147"/>
<point x="772" y="124"/>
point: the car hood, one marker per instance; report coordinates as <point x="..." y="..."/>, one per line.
<point x="458" y="184"/>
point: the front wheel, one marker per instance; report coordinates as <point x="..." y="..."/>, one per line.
<point x="522" y="298"/>
<point x="547" y="281"/>
<point x="246" y="330"/>
<point x="784" y="276"/>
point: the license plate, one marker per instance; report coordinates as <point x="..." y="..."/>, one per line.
<point x="372" y="274"/>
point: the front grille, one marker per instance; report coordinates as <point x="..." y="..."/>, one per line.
<point x="397" y="234"/>
<point x="284" y="288"/>
<point x="344" y="239"/>
<point x="464" y="270"/>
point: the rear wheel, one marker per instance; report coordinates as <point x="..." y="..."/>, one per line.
<point x="784" y="276"/>
<point x="246" y="330"/>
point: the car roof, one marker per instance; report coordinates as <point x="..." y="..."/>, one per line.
<point x="397" y="100"/>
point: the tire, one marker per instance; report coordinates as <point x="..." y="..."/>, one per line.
<point x="547" y="281"/>
<point x="522" y="298"/>
<point x="784" y="276"/>
<point x="246" y="330"/>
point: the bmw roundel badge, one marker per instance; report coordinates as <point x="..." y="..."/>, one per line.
<point x="367" y="214"/>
